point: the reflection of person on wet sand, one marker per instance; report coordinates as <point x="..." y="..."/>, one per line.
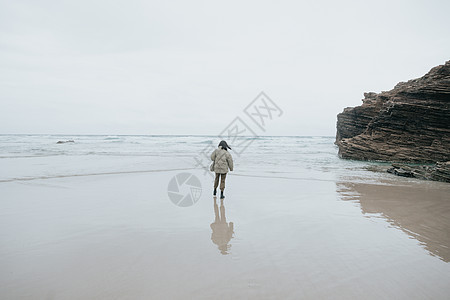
<point x="222" y="232"/>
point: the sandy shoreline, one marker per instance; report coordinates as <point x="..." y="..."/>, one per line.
<point x="119" y="237"/>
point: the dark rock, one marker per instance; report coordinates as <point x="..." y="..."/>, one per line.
<point x="410" y="123"/>
<point x="63" y="142"/>
<point x="400" y="172"/>
<point x="438" y="172"/>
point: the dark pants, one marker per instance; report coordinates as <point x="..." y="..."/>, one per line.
<point x="222" y="181"/>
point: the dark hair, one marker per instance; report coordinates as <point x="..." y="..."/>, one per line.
<point x="224" y="145"/>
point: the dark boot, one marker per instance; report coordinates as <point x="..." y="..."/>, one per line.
<point x="221" y="195"/>
<point x="215" y="192"/>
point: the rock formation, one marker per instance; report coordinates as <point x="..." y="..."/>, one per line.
<point x="410" y="123"/>
<point x="63" y="142"/>
<point x="438" y="172"/>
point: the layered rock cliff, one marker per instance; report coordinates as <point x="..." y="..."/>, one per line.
<point x="410" y="123"/>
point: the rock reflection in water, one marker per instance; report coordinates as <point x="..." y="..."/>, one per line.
<point x="420" y="210"/>
<point x="222" y="232"/>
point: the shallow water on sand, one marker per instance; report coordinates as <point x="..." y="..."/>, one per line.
<point x="297" y="226"/>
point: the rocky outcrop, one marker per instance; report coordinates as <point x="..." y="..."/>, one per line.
<point x="410" y="123"/>
<point x="437" y="172"/>
<point x="63" y="142"/>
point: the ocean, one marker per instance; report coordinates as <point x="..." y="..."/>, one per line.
<point x="28" y="157"/>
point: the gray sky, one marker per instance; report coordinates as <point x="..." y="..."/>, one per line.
<point x="191" y="67"/>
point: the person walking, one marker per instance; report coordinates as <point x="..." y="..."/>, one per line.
<point x="222" y="162"/>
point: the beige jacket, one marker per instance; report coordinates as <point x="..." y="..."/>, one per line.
<point x="222" y="161"/>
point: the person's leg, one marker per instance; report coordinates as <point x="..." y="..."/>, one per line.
<point x="216" y="183"/>
<point x="222" y="181"/>
<point x="222" y="184"/>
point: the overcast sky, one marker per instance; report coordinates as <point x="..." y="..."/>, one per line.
<point x="191" y="67"/>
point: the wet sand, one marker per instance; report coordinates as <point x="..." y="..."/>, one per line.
<point x="120" y="237"/>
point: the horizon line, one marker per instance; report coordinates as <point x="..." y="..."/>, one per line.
<point x="199" y="135"/>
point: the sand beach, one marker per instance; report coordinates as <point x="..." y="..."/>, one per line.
<point x="119" y="237"/>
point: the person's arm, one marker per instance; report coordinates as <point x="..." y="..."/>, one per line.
<point x="213" y="155"/>
<point x="230" y="161"/>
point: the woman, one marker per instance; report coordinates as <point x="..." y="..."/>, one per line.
<point x="222" y="161"/>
